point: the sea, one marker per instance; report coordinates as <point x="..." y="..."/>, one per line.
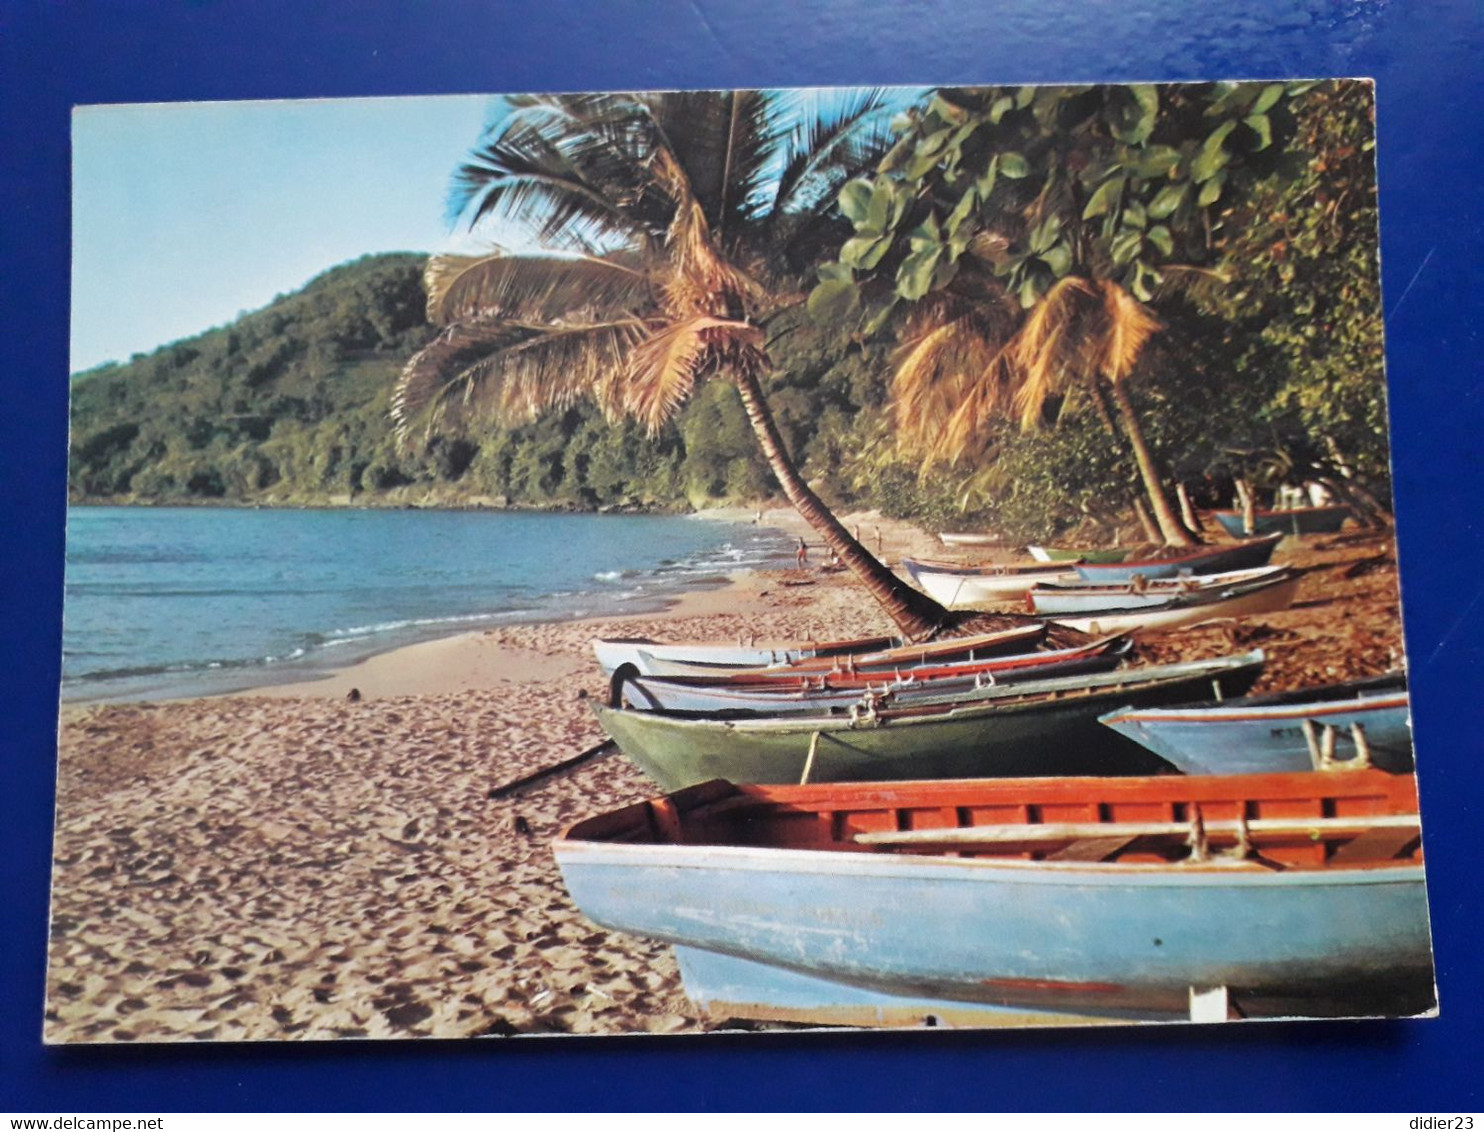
<point x="167" y="602"/>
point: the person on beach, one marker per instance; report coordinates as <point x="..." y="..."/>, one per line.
<point x="803" y="555"/>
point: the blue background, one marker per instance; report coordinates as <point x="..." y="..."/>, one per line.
<point x="1426" y="57"/>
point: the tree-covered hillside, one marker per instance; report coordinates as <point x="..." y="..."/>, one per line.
<point x="1267" y="365"/>
<point x="289" y="405"/>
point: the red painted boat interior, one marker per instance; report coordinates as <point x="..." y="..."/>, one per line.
<point x="1265" y="820"/>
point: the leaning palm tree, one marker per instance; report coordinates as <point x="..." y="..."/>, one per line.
<point x="1086" y="332"/>
<point x="661" y="231"/>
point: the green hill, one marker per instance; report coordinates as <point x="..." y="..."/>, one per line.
<point x="288" y="406"/>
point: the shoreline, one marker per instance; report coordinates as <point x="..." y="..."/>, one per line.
<point x="292" y="864"/>
<point x="434" y="663"/>
<point x="470" y="661"/>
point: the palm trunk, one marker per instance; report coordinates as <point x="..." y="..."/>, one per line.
<point x="1187" y="510"/>
<point x="1146" y="520"/>
<point x="1170" y="527"/>
<point x="916" y="614"/>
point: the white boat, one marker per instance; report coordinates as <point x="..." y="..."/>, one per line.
<point x="967" y="587"/>
<point x="998" y="643"/>
<point x="1055" y="599"/>
<point x="614" y="652"/>
<point x="1264" y="596"/>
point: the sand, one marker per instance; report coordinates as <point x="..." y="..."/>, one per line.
<point x="289" y="863"/>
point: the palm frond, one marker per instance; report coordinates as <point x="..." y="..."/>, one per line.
<point x="533" y="288"/>
<point x="1052" y="347"/>
<point x="510" y="371"/>
<point x="949" y="374"/>
<point x="664" y="368"/>
<point x="970" y="426"/>
<point x="828" y="147"/>
<point x="1199" y="283"/>
<point x="1128" y="327"/>
<point x="568" y="171"/>
<point x="725" y="142"/>
<point x="440" y="365"/>
<point x="700" y="279"/>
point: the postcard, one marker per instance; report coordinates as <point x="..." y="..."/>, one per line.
<point x="680" y="562"/>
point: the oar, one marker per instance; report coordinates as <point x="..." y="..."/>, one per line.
<point x="518" y="784"/>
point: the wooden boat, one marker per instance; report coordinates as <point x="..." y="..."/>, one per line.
<point x="1263" y="596"/>
<point x="1068" y="554"/>
<point x="964" y="587"/>
<point x="615" y="651"/>
<point x="949" y="538"/>
<point x="930" y="903"/>
<point x="982" y="645"/>
<point x="1202" y="560"/>
<point x="1298" y="521"/>
<point x="1265" y="734"/>
<point x="1081" y="597"/>
<point x="1040" y="727"/>
<point x="774" y="692"/>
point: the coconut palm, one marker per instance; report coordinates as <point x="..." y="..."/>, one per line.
<point x="966" y="365"/>
<point x="663" y="229"/>
<point x="1026" y="227"/>
<point x="1086" y="331"/>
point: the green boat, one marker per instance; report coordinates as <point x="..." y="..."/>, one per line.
<point x="1047" y="728"/>
<point x="1071" y="554"/>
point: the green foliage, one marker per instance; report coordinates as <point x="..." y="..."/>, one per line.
<point x="1279" y="368"/>
<point x="1308" y="304"/>
<point x="288" y="405"/>
<point x="1031" y="183"/>
<point x="1244" y="214"/>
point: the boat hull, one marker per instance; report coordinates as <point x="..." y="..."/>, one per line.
<point x="1298" y="522"/>
<point x="1013" y="731"/>
<point x="612" y="654"/>
<point x="965" y="590"/>
<point x="1243" y="556"/>
<point x="888" y="661"/>
<point x="673" y="695"/>
<point x="1101" y="940"/>
<point x="1264" y="598"/>
<point x="1257" y="739"/>
<point x="1082" y="597"/>
<point x="1067" y="554"/>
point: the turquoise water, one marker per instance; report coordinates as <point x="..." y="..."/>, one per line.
<point x="165" y="602"/>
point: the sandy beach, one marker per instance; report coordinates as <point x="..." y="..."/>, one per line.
<point x="294" y="863"/>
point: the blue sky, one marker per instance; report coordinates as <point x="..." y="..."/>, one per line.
<point x="186" y="214"/>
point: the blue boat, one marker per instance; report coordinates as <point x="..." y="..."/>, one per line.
<point x="1163" y="897"/>
<point x="1298" y="521"/>
<point x="1203" y="560"/>
<point x="1266" y="734"/>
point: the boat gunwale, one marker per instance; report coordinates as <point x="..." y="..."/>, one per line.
<point x="1102" y="620"/>
<point x="779" y="680"/>
<point x="866" y="863"/>
<point x="1255" y="714"/>
<point x="1198" y="552"/>
<point x="1179" y="583"/>
<point x="1262" y="513"/>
